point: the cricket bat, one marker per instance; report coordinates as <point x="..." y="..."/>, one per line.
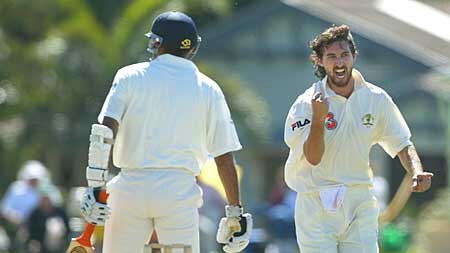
<point x="398" y="202"/>
<point x="83" y="243"/>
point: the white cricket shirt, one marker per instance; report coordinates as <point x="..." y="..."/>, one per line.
<point x="170" y="115"/>
<point x="353" y="126"/>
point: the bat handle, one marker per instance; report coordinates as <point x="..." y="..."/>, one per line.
<point x="102" y="196"/>
<point x="85" y="238"/>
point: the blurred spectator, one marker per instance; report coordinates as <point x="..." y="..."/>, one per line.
<point x="47" y="227"/>
<point x="280" y="217"/>
<point x="213" y="207"/>
<point x="23" y="196"/>
<point x="5" y="242"/>
<point x="210" y="213"/>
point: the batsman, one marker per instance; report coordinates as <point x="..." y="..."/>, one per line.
<point x="330" y="130"/>
<point x="161" y="119"/>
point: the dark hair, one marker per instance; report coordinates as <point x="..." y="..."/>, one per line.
<point x="327" y="37"/>
<point x="177" y="52"/>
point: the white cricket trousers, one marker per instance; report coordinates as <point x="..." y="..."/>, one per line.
<point x="144" y="200"/>
<point x="353" y="228"/>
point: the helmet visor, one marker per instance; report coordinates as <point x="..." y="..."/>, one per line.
<point x="154" y="43"/>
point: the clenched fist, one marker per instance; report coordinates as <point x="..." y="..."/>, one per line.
<point x="319" y="106"/>
<point x="421" y="182"/>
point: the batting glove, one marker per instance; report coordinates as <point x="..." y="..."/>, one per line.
<point x="94" y="212"/>
<point x="234" y="229"/>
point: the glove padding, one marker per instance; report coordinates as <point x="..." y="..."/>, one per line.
<point x="235" y="232"/>
<point x="93" y="211"/>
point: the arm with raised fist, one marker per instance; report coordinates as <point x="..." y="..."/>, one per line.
<point x="314" y="146"/>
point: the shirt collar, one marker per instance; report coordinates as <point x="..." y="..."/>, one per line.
<point x="328" y="92"/>
<point x="172" y="60"/>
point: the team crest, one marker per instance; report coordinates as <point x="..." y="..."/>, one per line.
<point x="368" y="120"/>
<point x="186" y="44"/>
<point x="331" y="122"/>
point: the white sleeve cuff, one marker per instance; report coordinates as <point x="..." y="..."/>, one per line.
<point x="226" y="150"/>
<point x="394" y="151"/>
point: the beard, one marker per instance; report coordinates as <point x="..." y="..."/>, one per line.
<point x="340" y="81"/>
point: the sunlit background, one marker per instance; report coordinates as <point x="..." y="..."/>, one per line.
<point x="58" y="58"/>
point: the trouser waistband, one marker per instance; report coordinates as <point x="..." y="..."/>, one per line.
<point x="349" y="187"/>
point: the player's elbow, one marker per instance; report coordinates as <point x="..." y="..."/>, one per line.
<point x="314" y="157"/>
<point x="313" y="153"/>
<point x="314" y="161"/>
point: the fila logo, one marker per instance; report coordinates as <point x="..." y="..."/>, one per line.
<point x="299" y="124"/>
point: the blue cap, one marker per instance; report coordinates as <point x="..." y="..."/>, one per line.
<point x="177" y="30"/>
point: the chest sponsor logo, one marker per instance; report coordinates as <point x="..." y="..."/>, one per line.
<point x="299" y="124"/>
<point x="368" y="120"/>
<point x="331" y="122"/>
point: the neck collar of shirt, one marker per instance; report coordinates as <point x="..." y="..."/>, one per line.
<point x="175" y="61"/>
<point x="328" y="92"/>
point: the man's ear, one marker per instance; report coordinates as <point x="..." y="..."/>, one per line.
<point x="190" y="55"/>
<point x="316" y="60"/>
<point x="319" y="61"/>
<point x="193" y="50"/>
<point x="355" y="56"/>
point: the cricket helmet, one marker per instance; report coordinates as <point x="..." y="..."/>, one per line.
<point x="175" y="31"/>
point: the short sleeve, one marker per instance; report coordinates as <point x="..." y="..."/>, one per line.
<point x="296" y="131"/>
<point x="117" y="99"/>
<point x="297" y="127"/>
<point x="221" y="132"/>
<point x="395" y="134"/>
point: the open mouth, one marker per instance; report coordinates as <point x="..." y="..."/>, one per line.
<point x="340" y="73"/>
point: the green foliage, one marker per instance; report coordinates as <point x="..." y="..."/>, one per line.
<point x="249" y="111"/>
<point x="394" y="238"/>
<point x="27" y="21"/>
<point x="433" y="224"/>
<point x="58" y="58"/>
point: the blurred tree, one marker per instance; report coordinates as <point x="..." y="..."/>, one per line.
<point x="432" y="227"/>
<point x="58" y="59"/>
<point x="394" y="239"/>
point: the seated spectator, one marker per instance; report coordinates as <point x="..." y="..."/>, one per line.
<point x="47" y="227"/>
<point x="22" y="195"/>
